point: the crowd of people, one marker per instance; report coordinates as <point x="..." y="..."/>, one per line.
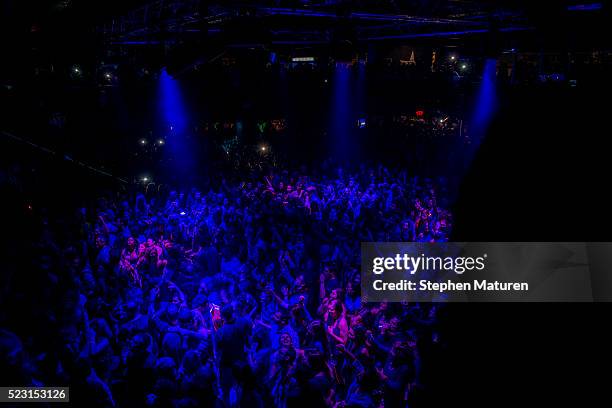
<point x="244" y="295"/>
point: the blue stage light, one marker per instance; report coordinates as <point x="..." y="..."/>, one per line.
<point x="173" y="122"/>
<point x="486" y="102"/>
<point x="585" y="7"/>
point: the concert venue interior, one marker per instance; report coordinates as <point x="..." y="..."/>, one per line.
<point x="186" y="185"/>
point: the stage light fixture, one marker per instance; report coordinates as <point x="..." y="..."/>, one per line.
<point x="303" y="59"/>
<point x="143" y="141"/>
<point x="161" y="142"/>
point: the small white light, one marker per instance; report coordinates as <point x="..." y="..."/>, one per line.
<point x="463" y="66"/>
<point x="108" y="75"/>
<point x="145" y="179"/>
<point x="143" y="141"/>
<point x="263" y="148"/>
<point x="160" y="142"/>
<point x="452" y="57"/>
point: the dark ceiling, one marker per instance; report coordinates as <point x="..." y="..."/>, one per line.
<point x="94" y="29"/>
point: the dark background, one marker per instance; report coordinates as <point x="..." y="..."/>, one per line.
<point x="540" y="174"/>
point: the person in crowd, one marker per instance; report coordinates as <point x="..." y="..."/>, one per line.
<point x="247" y="294"/>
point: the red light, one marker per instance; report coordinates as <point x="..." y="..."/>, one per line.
<point x="420" y="113"/>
